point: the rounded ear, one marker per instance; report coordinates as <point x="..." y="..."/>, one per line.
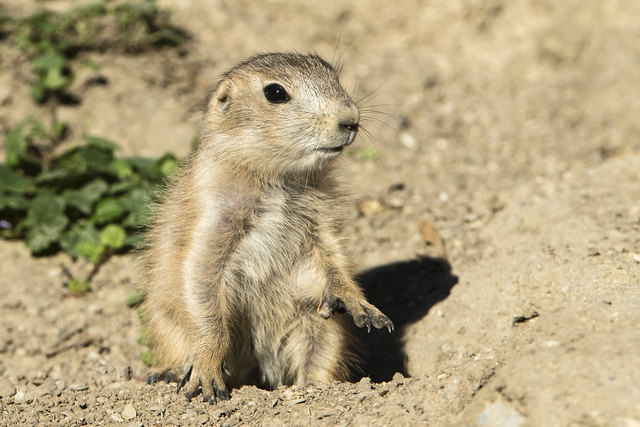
<point x="221" y="96"/>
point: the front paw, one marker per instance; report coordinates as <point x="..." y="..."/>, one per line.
<point x="363" y="313"/>
<point x="196" y="381"/>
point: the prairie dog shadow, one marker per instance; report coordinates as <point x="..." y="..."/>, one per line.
<point x="405" y="291"/>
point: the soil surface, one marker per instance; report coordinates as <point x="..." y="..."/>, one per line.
<point x="498" y="224"/>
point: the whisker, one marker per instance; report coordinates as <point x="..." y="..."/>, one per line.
<point x="372" y="94"/>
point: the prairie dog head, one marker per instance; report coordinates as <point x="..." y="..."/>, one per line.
<point x="280" y="113"/>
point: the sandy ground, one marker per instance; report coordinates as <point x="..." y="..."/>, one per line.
<point x="508" y="138"/>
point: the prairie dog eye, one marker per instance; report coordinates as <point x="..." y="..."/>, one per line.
<point x="276" y="94"/>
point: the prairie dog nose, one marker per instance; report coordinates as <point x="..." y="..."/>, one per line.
<point x="349" y="116"/>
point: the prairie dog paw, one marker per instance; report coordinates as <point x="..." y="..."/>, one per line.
<point x="363" y="313"/>
<point x="200" y="382"/>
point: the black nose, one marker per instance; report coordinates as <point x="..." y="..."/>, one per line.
<point x="351" y="127"/>
<point x="349" y="116"/>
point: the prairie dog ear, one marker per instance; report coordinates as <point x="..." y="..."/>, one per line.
<point x="221" y="96"/>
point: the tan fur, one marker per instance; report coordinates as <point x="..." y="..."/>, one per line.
<point x="246" y="265"/>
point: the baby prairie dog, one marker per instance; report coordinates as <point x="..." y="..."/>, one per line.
<point x="248" y="280"/>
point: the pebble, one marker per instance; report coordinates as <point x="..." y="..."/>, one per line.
<point x="369" y="207"/>
<point x="500" y="414"/>
<point x="129" y="412"/>
<point x="398" y="378"/>
<point x="7" y="388"/>
<point x="48" y="388"/>
<point x="23" y="397"/>
<point x="79" y="387"/>
<point x="408" y="140"/>
<point x="117" y="417"/>
<point x="365" y="384"/>
<point x="395" y="202"/>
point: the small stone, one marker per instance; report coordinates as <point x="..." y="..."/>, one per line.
<point x="61" y="384"/>
<point x="156" y="410"/>
<point x="129" y="412"/>
<point x="408" y="140"/>
<point x="203" y="418"/>
<point x="23" y="397"/>
<point x="117" y="417"/>
<point x="365" y="384"/>
<point x="398" y="378"/>
<point x="79" y="387"/>
<point x="19" y="397"/>
<point x="7" y="388"/>
<point x="47" y="388"/>
<point x="395" y="202"/>
<point x="500" y="414"/>
<point x="369" y="207"/>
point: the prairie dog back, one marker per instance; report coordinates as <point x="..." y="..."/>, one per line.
<point x="248" y="280"/>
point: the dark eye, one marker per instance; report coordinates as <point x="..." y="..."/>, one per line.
<point x="276" y="94"/>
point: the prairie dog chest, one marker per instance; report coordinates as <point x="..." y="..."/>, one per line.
<point x="279" y="240"/>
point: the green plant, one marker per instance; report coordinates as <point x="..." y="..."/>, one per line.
<point x="363" y="153"/>
<point x="86" y="202"/>
<point x="53" y="40"/>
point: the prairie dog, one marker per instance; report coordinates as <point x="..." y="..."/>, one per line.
<point x="246" y="266"/>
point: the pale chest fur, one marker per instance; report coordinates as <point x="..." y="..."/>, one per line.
<point x="274" y="259"/>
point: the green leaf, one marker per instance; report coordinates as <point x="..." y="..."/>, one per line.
<point x="60" y="178"/>
<point x="87" y="196"/>
<point x="13" y="182"/>
<point x="125" y="186"/>
<point x="55" y="80"/>
<point x="82" y="231"/>
<point x="146" y="357"/>
<point x="102" y="143"/>
<point x="120" y="168"/>
<point x="85" y="159"/>
<point x="143" y="316"/>
<point x="135" y="240"/>
<point x="45" y="208"/>
<point x="149" y="168"/>
<point x="78" y="286"/>
<point x="137" y="202"/>
<point x="46" y="220"/>
<point x="90" y="250"/>
<point x="38" y="91"/>
<point x="135" y="299"/>
<point x="143" y="338"/>
<point x="168" y="164"/>
<point x="18" y="141"/>
<point x="49" y="61"/>
<point x="113" y="236"/>
<point x="13" y="202"/>
<point x="109" y="210"/>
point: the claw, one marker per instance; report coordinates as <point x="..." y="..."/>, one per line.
<point x="152" y="379"/>
<point x="222" y="394"/>
<point x="182" y="381"/>
<point x="225" y="369"/>
<point x="210" y="399"/>
<point x="390" y="326"/>
<point x="190" y="394"/>
<point x="167" y="376"/>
